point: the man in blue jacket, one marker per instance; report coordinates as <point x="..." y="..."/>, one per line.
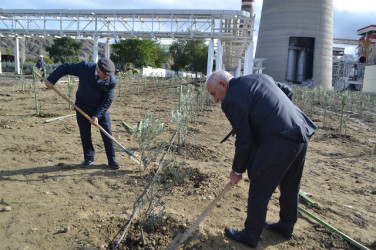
<point x="272" y="136"/>
<point x="94" y="96"/>
<point x="41" y="65"/>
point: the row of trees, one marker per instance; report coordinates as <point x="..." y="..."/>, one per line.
<point x="188" y="55"/>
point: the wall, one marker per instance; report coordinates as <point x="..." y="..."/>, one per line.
<point x="158" y="72"/>
<point x="369" y="81"/>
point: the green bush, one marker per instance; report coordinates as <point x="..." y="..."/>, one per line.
<point x="27" y="67"/>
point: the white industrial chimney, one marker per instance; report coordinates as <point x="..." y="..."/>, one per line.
<point x="247" y="5"/>
<point x="296" y="39"/>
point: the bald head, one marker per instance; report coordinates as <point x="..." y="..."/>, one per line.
<point x="217" y="84"/>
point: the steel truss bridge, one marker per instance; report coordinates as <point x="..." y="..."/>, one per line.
<point x="232" y="29"/>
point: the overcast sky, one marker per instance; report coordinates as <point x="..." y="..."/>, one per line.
<point x="349" y="15"/>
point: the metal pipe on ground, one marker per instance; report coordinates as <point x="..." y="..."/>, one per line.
<point x="352" y="241"/>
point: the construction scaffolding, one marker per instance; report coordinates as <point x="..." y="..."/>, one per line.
<point x="233" y="28"/>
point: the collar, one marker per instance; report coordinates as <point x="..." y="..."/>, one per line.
<point x="101" y="81"/>
<point x="229" y="82"/>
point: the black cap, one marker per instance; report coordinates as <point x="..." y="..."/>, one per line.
<point x="106" y="66"/>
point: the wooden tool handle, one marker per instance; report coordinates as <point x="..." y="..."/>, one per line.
<point x="89" y="118"/>
<point x="179" y="239"/>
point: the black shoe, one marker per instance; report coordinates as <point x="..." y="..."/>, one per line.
<point x="241" y="237"/>
<point x="279" y="228"/>
<point x="114" y="165"/>
<point x="86" y="163"/>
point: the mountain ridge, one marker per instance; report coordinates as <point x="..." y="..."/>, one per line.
<point x="31" y="47"/>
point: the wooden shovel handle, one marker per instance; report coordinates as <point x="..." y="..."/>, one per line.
<point x="89" y="118"/>
<point x="179" y="239"/>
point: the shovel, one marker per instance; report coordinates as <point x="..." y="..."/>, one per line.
<point x="179" y="239"/>
<point x="132" y="155"/>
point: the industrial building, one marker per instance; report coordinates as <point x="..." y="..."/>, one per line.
<point x="296" y="39"/>
<point x="367" y="44"/>
<point x="349" y="73"/>
<point x="228" y="32"/>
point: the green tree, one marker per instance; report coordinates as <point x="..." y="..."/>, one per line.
<point x="64" y="49"/>
<point x="198" y="56"/>
<point x="162" y="57"/>
<point x="189" y="55"/>
<point x="139" y="52"/>
<point x="179" y="55"/>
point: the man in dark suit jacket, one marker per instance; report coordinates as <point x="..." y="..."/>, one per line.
<point x="272" y="136"/>
<point x="94" y="96"/>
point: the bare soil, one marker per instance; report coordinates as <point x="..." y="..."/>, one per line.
<point x="47" y="201"/>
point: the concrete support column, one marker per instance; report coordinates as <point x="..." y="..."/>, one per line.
<point x="1" y="69"/>
<point x="209" y="68"/>
<point x="107" y="48"/>
<point x="250" y="57"/>
<point x="238" y="71"/>
<point x="95" y="45"/>
<point x="17" y="68"/>
<point x="218" y="64"/>
<point x="246" y="61"/>
<point x="95" y="52"/>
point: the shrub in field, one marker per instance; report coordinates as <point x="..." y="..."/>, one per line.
<point x="312" y="103"/>
<point x="330" y="102"/>
<point x="326" y="106"/>
<point x="343" y="103"/>
<point x="119" y="79"/>
<point x="26" y="67"/>
<point x="70" y="88"/>
<point x="201" y="98"/>
<point x="146" y="137"/>
<point x="160" y="182"/>
<point x="172" y="173"/>
<point x="35" y="81"/>
<point x="7" y="66"/>
<point x="181" y="116"/>
<point x="22" y="80"/>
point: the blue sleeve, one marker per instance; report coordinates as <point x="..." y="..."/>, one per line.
<point x="66" y="69"/>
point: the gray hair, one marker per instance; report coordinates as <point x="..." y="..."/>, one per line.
<point x="217" y="76"/>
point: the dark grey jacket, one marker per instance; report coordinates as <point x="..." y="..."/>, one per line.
<point x="256" y="108"/>
<point x="93" y="96"/>
<point x="40" y="64"/>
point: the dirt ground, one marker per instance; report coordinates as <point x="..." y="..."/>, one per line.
<point x="47" y="201"/>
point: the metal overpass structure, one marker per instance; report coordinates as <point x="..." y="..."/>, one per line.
<point x="228" y="32"/>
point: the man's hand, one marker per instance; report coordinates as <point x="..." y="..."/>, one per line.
<point x="49" y="84"/>
<point x="235" y="178"/>
<point x="94" y="120"/>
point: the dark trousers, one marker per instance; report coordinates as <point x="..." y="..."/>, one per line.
<point x="282" y="165"/>
<point x="87" y="144"/>
<point x="43" y="71"/>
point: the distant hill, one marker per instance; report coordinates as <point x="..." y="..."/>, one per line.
<point x="32" y="47"/>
